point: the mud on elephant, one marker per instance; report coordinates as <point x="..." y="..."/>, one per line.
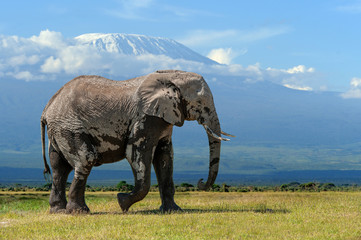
<point x="92" y="120"/>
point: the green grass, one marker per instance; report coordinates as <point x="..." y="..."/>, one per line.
<point x="207" y="215"/>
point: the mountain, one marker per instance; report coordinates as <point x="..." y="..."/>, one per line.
<point x="277" y="128"/>
<point x="133" y="44"/>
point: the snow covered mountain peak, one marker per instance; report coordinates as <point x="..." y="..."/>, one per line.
<point x="134" y="44"/>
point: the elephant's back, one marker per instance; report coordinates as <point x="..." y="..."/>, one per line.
<point x="102" y="83"/>
<point x="86" y="82"/>
<point x="89" y="96"/>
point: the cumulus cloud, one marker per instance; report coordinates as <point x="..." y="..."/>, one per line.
<point x="299" y="69"/>
<point x="221" y="55"/>
<point x="24" y="75"/>
<point x="23" y="60"/>
<point x="298" y="77"/>
<point x="51" y="65"/>
<point x="21" y="57"/>
<point x="49" y="39"/>
<point x="251" y="73"/>
<point x="355" y="89"/>
<point x="50" y="56"/>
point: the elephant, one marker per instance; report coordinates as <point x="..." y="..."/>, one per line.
<point x="93" y="120"/>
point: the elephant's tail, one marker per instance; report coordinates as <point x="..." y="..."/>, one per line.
<point x="47" y="173"/>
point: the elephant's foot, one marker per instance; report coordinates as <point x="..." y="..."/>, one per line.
<point x="58" y="209"/>
<point x="124" y="201"/>
<point x="170" y="207"/>
<point x="57" y="203"/>
<point x="76" y="208"/>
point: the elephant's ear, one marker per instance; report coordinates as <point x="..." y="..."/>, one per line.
<point x="161" y="98"/>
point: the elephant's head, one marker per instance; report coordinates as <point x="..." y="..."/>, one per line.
<point x="176" y="96"/>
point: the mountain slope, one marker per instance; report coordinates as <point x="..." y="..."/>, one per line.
<point x="133" y="44"/>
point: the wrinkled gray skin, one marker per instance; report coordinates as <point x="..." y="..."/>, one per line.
<point x="92" y="120"/>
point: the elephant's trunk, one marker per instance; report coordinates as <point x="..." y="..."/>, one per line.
<point x="214" y="132"/>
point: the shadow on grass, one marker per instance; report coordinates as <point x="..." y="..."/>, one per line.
<point x="260" y="209"/>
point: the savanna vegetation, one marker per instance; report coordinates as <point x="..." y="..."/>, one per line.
<point x="286" y="212"/>
<point x="123" y="186"/>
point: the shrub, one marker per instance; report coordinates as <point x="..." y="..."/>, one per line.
<point x="327" y="186"/>
<point x="311" y="186"/>
<point x="187" y="185"/>
<point x="216" y="188"/>
<point x="124" y="186"/>
<point x="225" y="187"/>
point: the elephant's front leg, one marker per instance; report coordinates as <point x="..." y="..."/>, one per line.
<point x="163" y="166"/>
<point x="139" y="156"/>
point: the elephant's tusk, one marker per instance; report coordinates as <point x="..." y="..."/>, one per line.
<point x="210" y="132"/>
<point x="227" y="134"/>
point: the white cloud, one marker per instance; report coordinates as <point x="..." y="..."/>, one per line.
<point x="23" y="59"/>
<point x="355" y="89"/>
<point x="49" y="39"/>
<point x="299" y="69"/>
<point x="355" y="82"/>
<point x="80" y="59"/>
<point x="305" y="88"/>
<point x="298" y="77"/>
<point x="51" y="65"/>
<point x="50" y="56"/>
<point x="24" y="75"/>
<point x="221" y="55"/>
<point x="304" y="80"/>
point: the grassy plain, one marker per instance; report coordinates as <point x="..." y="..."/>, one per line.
<point x="206" y="215"/>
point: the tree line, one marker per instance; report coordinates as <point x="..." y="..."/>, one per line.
<point x="123" y="186"/>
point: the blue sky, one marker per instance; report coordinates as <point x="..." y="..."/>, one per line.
<point x="323" y="37"/>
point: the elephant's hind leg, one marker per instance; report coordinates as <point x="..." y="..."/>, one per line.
<point x="76" y="202"/>
<point x="61" y="169"/>
<point x="163" y="166"/>
<point x="84" y="157"/>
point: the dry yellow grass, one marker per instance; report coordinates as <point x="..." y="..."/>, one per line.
<point x="269" y="215"/>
